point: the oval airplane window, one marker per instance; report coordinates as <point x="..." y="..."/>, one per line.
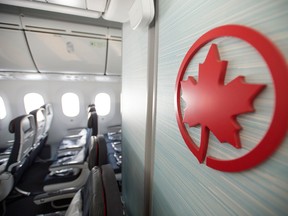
<point x="33" y="101"/>
<point x="70" y="104"/>
<point x="102" y="104"/>
<point x="2" y="109"/>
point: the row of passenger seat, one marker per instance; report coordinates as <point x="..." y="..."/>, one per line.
<point x="114" y="145"/>
<point x="78" y="153"/>
<point x="72" y="170"/>
<point x="30" y="134"/>
<point x="70" y="167"/>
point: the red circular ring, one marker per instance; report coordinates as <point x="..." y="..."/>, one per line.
<point x="279" y="71"/>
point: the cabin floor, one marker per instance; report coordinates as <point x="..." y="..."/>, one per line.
<point x="17" y="204"/>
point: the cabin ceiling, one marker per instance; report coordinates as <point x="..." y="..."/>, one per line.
<point x="110" y="10"/>
<point x="38" y="44"/>
<point x="73" y="39"/>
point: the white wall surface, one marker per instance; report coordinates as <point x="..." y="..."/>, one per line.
<point x="13" y="92"/>
<point x="182" y="186"/>
<point x="134" y="108"/>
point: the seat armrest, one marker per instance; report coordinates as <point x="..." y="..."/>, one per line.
<point x="72" y="164"/>
<point x="4" y="155"/>
<point x="73" y="136"/>
<point x="13" y="165"/>
<point x="67" y="152"/>
<point x="4" y="175"/>
<point x="53" y="196"/>
<point x="71" y="144"/>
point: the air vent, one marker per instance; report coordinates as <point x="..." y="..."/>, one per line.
<point x="89" y="34"/>
<point x="115" y="34"/>
<point x="9" y="25"/>
<point x="10" y="21"/>
<point x="37" y="24"/>
<point x="115" y="37"/>
<point x="43" y="29"/>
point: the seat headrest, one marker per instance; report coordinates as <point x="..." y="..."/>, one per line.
<point x="15" y="123"/>
<point x="12" y="126"/>
<point x="93" y="123"/>
<point x="111" y="190"/>
<point x="92" y="117"/>
<point x="98" y="152"/>
<point x="91" y="109"/>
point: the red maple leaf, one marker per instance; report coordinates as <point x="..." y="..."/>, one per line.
<point x="214" y="105"/>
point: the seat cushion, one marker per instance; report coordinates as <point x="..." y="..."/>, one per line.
<point x="75" y="207"/>
<point x="93" y="195"/>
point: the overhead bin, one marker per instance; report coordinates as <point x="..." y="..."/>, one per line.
<point x="70" y="3"/>
<point x="114" y="60"/>
<point x="14" y="52"/>
<point x="55" y="53"/>
<point x="37" y="44"/>
<point x="64" y="47"/>
<point x="72" y="7"/>
<point x="98" y="5"/>
<point x="93" y="5"/>
<point x="62" y="27"/>
<point x="114" y="53"/>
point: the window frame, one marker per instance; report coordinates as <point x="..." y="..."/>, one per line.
<point x="30" y="107"/>
<point x="99" y="108"/>
<point x="3" y="109"/>
<point x="66" y="108"/>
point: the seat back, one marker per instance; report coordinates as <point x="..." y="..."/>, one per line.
<point x="11" y="170"/>
<point x="93" y="195"/>
<point x="40" y="137"/>
<point x="48" y="116"/>
<point x="40" y="121"/>
<point x="93" y="122"/>
<point x="91" y="108"/>
<point x="113" y="202"/>
<point x="98" y="152"/>
<point x="99" y="196"/>
<point x="24" y="129"/>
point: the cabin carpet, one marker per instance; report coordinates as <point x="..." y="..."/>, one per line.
<point x="20" y="207"/>
<point x="33" y="179"/>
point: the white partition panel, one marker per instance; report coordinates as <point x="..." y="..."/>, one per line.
<point x="114" y="58"/>
<point x="67" y="54"/>
<point x="182" y="186"/>
<point x="70" y="3"/>
<point x="14" y="53"/>
<point x="99" y="5"/>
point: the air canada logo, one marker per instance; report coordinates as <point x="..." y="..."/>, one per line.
<point x="215" y="106"/>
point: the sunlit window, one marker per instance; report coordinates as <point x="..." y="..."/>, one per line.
<point x="70" y="104"/>
<point x="103" y="104"/>
<point x="2" y="109"/>
<point x="33" y="101"/>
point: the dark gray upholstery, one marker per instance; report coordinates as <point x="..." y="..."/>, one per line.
<point x="112" y="194"/>
<point x="24" y="129"/>
<point x="98" y="152"/>
<point x="100" y="195"/>
<point x="96" y="155"/>
<point x="92" y="194"/>
<point x="12" y="169"/>
<point x="48" y="116"/>
<point x="39" y="141"/>
<point x="93" y="122"/>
